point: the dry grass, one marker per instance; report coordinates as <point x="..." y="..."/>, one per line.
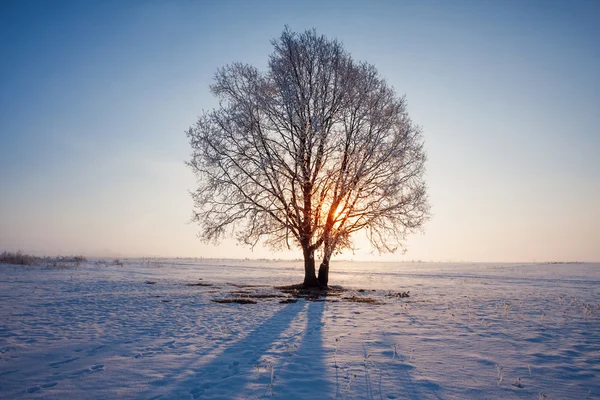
<point x="365" y="300"/>
<point x="267" y="296"/>
<point x="311" y="294"/>
<point x="400" y="295"/>
<point x="244" y="286"/>
<point x="18" y="258"/>
<point x="236" y="301"/>
<point x="291" y="294"/>
<point x="63" y="261"/>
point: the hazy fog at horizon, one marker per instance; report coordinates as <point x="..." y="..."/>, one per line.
<point x="96" y="97"/>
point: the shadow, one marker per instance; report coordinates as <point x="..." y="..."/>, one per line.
<point x="411" y="382"/>
<point x="304" y="374"/>
<point x="229" y="371"/>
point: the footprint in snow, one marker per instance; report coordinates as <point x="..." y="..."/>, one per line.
<point x="196" y="393"/>
<point x="94" y="350"/>
<point x="12" y="371"/>
<point x="58" y="363"/>
<point x="144" y="354"/>
<point x="34" y="389"/>
<point x="92" y="369"/>
<point x="37" y="388"/>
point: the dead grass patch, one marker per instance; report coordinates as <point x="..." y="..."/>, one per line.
<point x="18" y="258"/>
<point x="400" y="295"/>
<point x="254" y="295"/>
<point x="243" y="286"/>
<point x="311" y="294"/>
<point x="292" y="293"/>
<point x="236" y="301"/>
<point x="267" y="296"/>
<point x="365" y="300"/>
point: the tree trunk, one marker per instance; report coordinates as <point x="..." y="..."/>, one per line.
<point x="324" y="273"/>
<point x="328" y="247"/>
<point x="310" y="277"/>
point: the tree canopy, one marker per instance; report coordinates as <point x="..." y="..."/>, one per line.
<point x="307" y="153"/>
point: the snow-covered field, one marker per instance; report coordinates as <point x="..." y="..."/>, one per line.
<point x="467" y="331"/>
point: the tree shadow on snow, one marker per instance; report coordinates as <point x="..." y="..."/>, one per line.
<point x="304" y="374"/>
<point x="230" y="371"/>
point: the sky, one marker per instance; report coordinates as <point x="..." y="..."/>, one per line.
<point x="96" y="96"/>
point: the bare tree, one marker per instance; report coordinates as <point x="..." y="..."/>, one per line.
<point x="306" y="154"/>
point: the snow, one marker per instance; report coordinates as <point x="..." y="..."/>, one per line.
<point x="467" y="331"/>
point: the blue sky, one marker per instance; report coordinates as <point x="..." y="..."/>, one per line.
<point x="96" y="96"/>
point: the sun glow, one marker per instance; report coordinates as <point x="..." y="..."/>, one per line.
<point x="339" y="212"/>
